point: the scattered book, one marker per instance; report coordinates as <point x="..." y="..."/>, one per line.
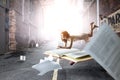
<point x="72" y="54"/>
<point x="104" y="47"/>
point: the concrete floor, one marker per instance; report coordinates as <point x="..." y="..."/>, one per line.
<point x="11" y="68"/>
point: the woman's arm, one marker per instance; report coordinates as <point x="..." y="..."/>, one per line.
<point x="71" y="43"/>
<point x="65" y="45"/>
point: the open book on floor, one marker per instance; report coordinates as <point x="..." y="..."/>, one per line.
<point x="72" y="54"/>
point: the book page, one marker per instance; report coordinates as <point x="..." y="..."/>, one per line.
<point x="60" y="52"/>
<point x="76" y="54"/>
<point x="104" y="47"/>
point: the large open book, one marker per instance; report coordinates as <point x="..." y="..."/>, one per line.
<point x="72" y="54"/>
<point x="104" y="47"/>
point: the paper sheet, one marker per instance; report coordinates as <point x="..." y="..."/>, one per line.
<point x="104" y="47"/>
<point x="46" y="65"/>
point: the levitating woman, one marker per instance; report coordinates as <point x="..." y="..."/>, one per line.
<point x="65" y="37"/>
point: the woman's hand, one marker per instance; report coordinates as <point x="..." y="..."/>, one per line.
<point x="59" y="47"/>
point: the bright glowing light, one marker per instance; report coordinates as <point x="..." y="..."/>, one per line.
<point x="37" y="45"/>
<point x="62" y="15"/>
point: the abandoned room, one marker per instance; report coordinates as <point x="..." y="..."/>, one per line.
<point x="59" y="40"/>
